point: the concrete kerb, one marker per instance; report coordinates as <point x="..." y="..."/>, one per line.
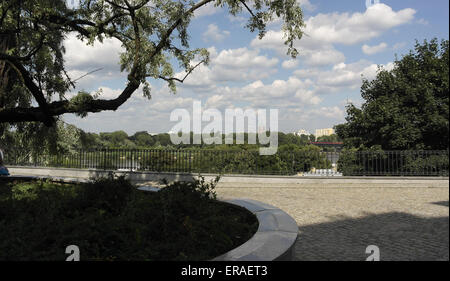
<point x="273" y="241"/>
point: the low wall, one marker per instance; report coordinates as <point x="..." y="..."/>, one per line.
<point x="239" y="180"/>
<point x="273" y="241"/>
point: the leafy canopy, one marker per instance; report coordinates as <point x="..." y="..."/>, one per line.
<point x="406" y="107"/>
<point x="154" y="34"/>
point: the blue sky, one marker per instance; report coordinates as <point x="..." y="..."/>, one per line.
<point x="344" y="40"/>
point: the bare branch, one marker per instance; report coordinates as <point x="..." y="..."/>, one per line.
<point x="90" y="72"/>
<point x="184" y="78"/>
<point x="163" y="40"/>
<point x="248" y="9"/>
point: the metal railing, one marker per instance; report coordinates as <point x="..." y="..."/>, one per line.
<point x="394" y="163"/>
<point x="304" y="162"/>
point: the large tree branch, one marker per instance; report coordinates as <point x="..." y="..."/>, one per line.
<point x="45" y="111"/>
<point x="57" y="108"/>
<point x="29" y="83"/>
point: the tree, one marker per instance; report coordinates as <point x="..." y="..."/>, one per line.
<point x="405" y="108"/>
<point x="89" y="140"/>
<point x="154" y="34"/>
<point x="36" y="139"/>
<point x="330" y="138"/>
<point x="143" y="139"/>
<point x="114" y="139"/>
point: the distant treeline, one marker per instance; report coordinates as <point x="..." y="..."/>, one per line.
<point x="66" y="138"/>
<point x="120" y="139"/>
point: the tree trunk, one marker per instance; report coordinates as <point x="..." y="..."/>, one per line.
<point x="7" y="41"/>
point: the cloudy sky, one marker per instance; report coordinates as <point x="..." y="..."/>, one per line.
<point x="344" y="40"/>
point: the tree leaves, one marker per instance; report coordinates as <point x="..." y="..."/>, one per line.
<point x="407" y="107"/>
<point x="154" y="34"/>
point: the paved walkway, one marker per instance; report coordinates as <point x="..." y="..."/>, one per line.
<point x="338" y="223"/>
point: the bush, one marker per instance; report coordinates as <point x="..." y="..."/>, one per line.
<point x="109" y="219"/>
<point x="374" y="161"/>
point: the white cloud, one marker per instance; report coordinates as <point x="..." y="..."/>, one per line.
<point x="341" y="76"/>
<point x="206" y="10"/>
<point x="218" y="101"/>
<point x="278" y="94"/>
<point x="370" y="50"/>
<point x="311" y="51"/>
<point x="333" y="112"/>
<point x="324" y="30"/>
<point x="170" y="103"/>
<point x="231" y="65"/>
<point x="81" y="56"/>
<point x="243" y="58"/>
<point x="308" y="97"/>
<point x="423" y="21"/>
<point x="81" y="59"/>
<point x="306" y="5"/>
<point x="289" y="64"/>
<point x="108" y="93"/>
<point x="213" y="33"/>
<point x="322" y="57"/>
<point x="351" y="29"/>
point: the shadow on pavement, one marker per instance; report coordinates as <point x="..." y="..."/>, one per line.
<point x="441" y="203"/>
<point x="399" y="236"/>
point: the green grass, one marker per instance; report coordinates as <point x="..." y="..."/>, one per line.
<point x="112" y="220"/>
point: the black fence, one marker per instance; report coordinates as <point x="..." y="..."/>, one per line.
<point x="394" y="163"/>
<point x="304" y="162"/>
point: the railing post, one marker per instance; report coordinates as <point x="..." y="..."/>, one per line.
<point x="190" y="171"/>
<point x="293" y="163"/>
<point x="79" y="158"/>
<point x="104" y="159"/>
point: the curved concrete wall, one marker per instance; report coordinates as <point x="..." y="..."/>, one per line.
<point x="273" y="241"/>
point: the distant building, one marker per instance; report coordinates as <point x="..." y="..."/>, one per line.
<point x="302" y="132"/>
<point x="324" y="132"/>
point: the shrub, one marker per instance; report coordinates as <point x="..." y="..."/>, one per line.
<point x="109" y="219"/>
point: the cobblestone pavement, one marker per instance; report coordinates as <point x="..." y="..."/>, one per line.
<point x="338" y="223"/>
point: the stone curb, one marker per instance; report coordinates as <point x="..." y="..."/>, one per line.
<point x="273" y="241"/>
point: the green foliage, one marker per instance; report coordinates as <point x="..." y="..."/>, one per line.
<point x="331" y="138"/>
<point x="80" y="103"/>
<point x="375" y="161"/>
<point x="20" y="37"/>
<point x="112" y="220"/>
<point x="431" y="164"/>
<point x="33" y="140"/>
<point x="406" y="108"/>
<point x="154" y="34"/>
<point x="114" y="139"/>
<point x="232" y="159"/>
<point x="348" y="164"/>
<point x="143" y="139"/>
